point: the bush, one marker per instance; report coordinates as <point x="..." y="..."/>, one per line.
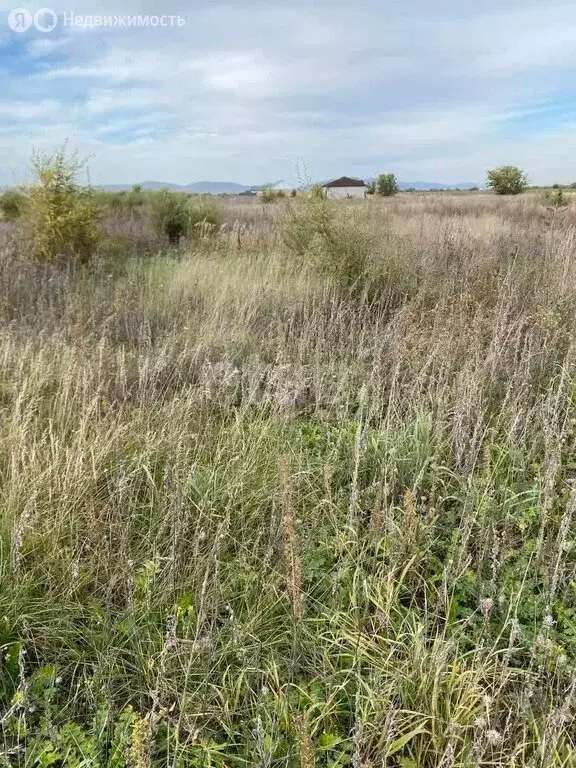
<point x="558" y="198"/>
<point x="335" y="247"/>
<point x="316" y="192"/>
<point x="342" y="253"/>
<point x="507" y="180"/>
<point x="268" y="195"/>
<point x="204" y="216"/>
<point x="175" y="215"/>
<point x="304" y="221"/>
<point x="169" y="214"/>
<point x="12" y="204"/>
<point x="386" y="185"/>
<point x="63" y="215"/>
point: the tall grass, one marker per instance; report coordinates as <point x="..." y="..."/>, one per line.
<point x="254" y="516"/>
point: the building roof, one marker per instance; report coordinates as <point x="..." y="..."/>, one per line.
<point x="345" y="181"/>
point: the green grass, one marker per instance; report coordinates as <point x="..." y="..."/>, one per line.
<point x="253" y="518"/>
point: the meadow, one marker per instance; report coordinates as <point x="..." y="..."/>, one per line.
<point x="299" y="491"/>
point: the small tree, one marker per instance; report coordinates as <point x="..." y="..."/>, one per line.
<point x="507" y="180"/>
<point x="63" y="214"/>
<point x="386" y="185"/>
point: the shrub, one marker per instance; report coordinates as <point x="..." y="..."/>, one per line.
<point x="386" y="185"/>
<point x="304" y="221"/>
<point x="268" y="195"/>
<point x="558" y="198"/>
<point x="316" y="192"/>
<point x="204" y="216"/>
<point x="175" y="215"/>
<point x="507" y="180"/>
<point x="336" y="248"/>
<point x="169" y="214"/>
<point x="12" y="204"/>
<point x="342" y="253"/>
<point x="63" y="215"/>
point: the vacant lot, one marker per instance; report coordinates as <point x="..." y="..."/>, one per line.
<point x="300" y="493"/>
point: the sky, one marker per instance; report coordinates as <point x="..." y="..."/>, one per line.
<point x="257" y="91"/>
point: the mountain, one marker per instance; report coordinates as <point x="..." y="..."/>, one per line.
<point x="198" y="187"/>
<point x="216" y="187"/>
<point x="232" y="188"/>
<point x="434" y="185"/>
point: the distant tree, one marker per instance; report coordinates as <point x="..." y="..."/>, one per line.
<point x="386" y="185"/>
<point x="507" y="180"/>
<point x="371" y="188"/>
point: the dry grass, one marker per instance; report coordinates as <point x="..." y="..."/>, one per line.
<point x="251" y="518"/>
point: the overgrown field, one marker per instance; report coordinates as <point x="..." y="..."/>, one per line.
<point x="297" y="492"/>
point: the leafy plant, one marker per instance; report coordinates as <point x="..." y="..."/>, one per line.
<point x="507" y="180"/>
<point x="386" y="185"/>
<point x="63" y="215"/>
<point x="12" y="204"/>
<point x="175" y="215"/>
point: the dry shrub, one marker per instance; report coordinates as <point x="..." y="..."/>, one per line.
<point x="61" y="216"/>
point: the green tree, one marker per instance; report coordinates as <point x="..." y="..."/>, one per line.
<point x="507" y="180"/>
<point x="386" y="185"/>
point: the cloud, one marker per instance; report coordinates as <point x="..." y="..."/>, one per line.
<point x="246" y="91"/>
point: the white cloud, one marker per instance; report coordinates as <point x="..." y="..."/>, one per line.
<point x="243" y="91"/>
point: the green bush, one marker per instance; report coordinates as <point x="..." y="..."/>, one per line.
<point x="204" y="216"/>
<point x="342" y="252"/>
<point x="268" y="195"/>
<point x="12" y="204"/>
<point x="63" y="215"/>
<point x="316" y="192"/>
<point x="336" y="247"/>
<point x="386" y="185"/>
<point x="175" y="215"/>
<point x="303" y="222"/>
<point x="507" y="180"/>
<point x="558" y="198"/>
<point x="169" y="214"/>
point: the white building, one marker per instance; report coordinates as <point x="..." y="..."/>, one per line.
<point x="345" y="187"/>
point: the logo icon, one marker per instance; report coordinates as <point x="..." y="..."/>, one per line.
<point x="45" y="20"/>
<point x="20" y="20"/>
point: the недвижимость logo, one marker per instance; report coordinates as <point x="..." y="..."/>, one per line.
<point x="44" y="20"/>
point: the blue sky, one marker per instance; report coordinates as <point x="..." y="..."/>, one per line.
<point x="252" y="91"/>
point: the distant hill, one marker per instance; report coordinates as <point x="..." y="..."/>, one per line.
<point x="232" y="188"/>
<point x="198" y="187"/>
<point x="434" y="185"/>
